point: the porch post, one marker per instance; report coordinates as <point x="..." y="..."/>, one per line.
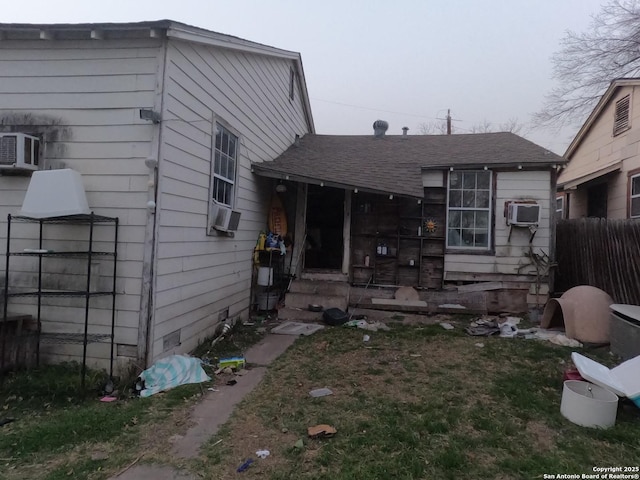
<point x="346" y="233"/>
<point x="300" y="229"/>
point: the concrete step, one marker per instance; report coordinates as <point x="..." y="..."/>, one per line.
<point x="299" y="315"/>
<point x="303" y="300"/>
<point x="320" y="287"/>
<point x="332" y="276"/>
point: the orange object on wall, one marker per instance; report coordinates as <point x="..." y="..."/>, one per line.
<point x="277" y="216"/>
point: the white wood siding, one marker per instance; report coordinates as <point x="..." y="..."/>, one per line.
<point x="599" y="149"/>
<point x="198" y="276"/>
<point x="90" y="93"/>
<point x="509" y="254"/>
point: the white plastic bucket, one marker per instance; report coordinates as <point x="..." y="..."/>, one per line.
<point x="588" y="405"/>
<point x="265" y="276"/>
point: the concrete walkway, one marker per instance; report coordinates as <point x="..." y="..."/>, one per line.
<point x="214" y="410"/>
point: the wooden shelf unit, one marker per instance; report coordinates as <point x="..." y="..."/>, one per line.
<point x="415" y="255"/>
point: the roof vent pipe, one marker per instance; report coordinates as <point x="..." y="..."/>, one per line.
<point x="379" y="127"/>
<point x="404" y="131"/>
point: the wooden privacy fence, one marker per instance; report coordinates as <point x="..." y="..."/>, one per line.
<point x="601" y="253"/>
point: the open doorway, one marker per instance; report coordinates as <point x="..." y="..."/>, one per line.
<point x="325" y="219"/>
<point x="597" y="201"/>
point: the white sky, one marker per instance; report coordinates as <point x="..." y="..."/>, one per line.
<point x="406" y="61"/>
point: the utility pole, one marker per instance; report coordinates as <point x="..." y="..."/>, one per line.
<point x="448" y="122"/>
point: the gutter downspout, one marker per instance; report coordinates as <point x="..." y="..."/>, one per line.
<point x="146" y="315"/>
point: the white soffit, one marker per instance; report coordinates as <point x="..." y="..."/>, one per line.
<point x="55" y="193"/>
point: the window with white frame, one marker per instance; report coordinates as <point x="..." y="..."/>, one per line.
<point x="224" y="166"/>
<point x="469" y="210"/>
<point x="634" y="200"/>
<point x="559" y="207"/>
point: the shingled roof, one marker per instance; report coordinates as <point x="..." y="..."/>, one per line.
<point x="394" y="163"/>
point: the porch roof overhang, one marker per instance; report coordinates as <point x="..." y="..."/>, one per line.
<point x="345" y="182"/>
<point x="576" y="182"/>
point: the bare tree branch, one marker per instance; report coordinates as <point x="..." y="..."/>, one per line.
<point x="433" y="128"/>
<point x="587" y="62"/>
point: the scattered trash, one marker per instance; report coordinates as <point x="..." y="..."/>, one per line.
<point x="446" y="326"/>
<point x="622" y="380"/>
<point x="508" y="331"/>
<point x="479" y="345"/>
<point x="364" y="325"/>
<point x="171" y="372"/>
<point x="232" y="362"/>
<point x="335" y="316"/>
<point x="564" y="341"/>
<point x="211" y="389"/>
<point x="217" y="443"/>
<point x="245" y="465"/>
<point x="299" y="444"/>
<point x="366" y="338"/>
<point x="263" y="453"/>
<point x="415" y="355"/>
<point x="232" y="382"/>
<point x="484" y="329"/>
<point x="321" y="431"/>
<point x="284" y="430"/>
<point x="320" y="392"/>
<point x="554" y="336"/>
<point x="513" y="320"/>
<point x="108" y="399"/>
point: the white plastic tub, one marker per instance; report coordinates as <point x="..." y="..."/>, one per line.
<point x="265" y="276"/>
<point x="588" y="405"/>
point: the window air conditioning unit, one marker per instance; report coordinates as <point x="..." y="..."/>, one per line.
<point x="224" y="219"/>
<point x="19" y="151"/>
<point x="523" y="214"/>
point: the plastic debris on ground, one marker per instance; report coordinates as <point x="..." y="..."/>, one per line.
<point x="262" y="453"/>
<point x="508" y="328"/>
<point x="170" y="372"/>
<point x="364" y="325"/>
<point x="299" y="444"/>
<point x="622" y="380"/>
<point x="366" y="338"/>
<point x="482" y="327"/>
<point x="233" y="362"/>
<point x="245" y="465"/>
<point x="320" y="392"/>
<point x="446" y="326"/>
<point x="479" y="345"/>
<point x="321" y="431"/>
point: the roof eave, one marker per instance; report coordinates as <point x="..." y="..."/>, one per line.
<point x="489" y="166"/>
<point x="188" y="33"/>
<point x="269" y="173"/>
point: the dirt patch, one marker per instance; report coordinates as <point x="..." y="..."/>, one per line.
<point x="543" y="436"/>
